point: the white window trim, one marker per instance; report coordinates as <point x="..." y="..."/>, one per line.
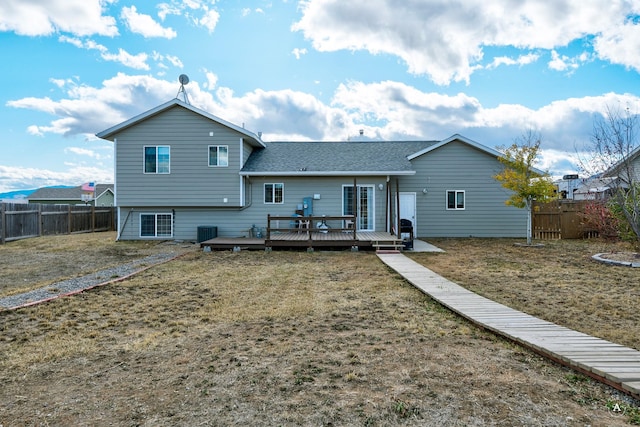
<point x="144" y="159"/>
<point x="264" y="193"/>
<point x="155" y="215"/>
<point x="209" y="155"/>
<point x="455" y="208"/>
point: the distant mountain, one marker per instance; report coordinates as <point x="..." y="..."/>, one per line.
<point x="19" y="196"/>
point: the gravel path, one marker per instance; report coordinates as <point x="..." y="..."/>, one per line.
<point x="80" y="284"/>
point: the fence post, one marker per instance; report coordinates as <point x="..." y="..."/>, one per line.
<point x="93" y="218"/>
<point x="68" y="219"/>
<point x="3" y="224"/>
<point x="40" y="228"/>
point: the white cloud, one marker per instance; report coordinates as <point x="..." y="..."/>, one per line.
<point x="562" y="62"/>
<point x="621" y="44"/>
<point x="165" y="9"/>
<point x="297" y="52"/>
<point x="82" y="152"/>
<point x="83" y="44"/>
<point x="144" y="24"/>
<point x="212" y="80"/>
<point x="520" y="61"/>
<point x="139" y="61"/>
<point x="445" y="40"/>
<point x="173" y="60"/>
<point x="209" y="20"/>
<point x="44" y="17"/>
<point x="87" y="110"/>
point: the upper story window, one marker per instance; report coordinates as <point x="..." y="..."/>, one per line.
<point x="274" y="193"/>
<point x="455" y="199"/>
<point x="218" y="155"/>
<point x="157" y="159"/>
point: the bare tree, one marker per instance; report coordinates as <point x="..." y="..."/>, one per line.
<point x="615" y="154"/>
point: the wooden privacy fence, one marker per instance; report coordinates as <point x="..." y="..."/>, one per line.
<point x="21" y="221"/>
<point x="560" y="219"/>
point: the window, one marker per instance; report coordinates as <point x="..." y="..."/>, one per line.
<point x="274" y="193"/>
<point x="156" y="159"/>
<point x="455" y="199"/>
<point x="218" y="155"/>
<point x="156" y="225"/>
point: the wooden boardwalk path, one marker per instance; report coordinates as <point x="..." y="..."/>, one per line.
<point x="613" y="364"/>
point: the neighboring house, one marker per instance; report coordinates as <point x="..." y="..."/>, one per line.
<point x="101" y="195"/>
<point x="620" y="176"/>
<point x="178" y="168"/>
<point x="627" y="169"/>
<point x="598" y="188"/>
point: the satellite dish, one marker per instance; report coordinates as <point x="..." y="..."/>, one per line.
<point x="183" y="79"/>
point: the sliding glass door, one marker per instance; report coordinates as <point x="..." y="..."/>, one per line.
<point x="364" y="205"/>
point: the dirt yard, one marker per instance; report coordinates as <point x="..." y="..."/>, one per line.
<point x="296" y="338"/>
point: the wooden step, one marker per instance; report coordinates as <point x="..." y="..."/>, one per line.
<point x="392" y="245"/>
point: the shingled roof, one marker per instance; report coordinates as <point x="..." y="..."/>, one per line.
<point x="335" y="158"/>
<point x="66" y="193"/>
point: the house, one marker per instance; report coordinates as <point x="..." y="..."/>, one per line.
<point x="598" y="188"/>
<point x="178" y="168"/>
<point x="97" y="195"/>
<point x="619" y="176"/>
<point x="627" y="169"/>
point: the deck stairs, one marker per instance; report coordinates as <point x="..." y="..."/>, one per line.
<point x="389" y="244"/>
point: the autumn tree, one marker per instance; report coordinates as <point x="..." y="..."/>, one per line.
<point x="525" y="182"/>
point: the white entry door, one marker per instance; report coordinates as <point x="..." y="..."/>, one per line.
<point x="408" y="209"/>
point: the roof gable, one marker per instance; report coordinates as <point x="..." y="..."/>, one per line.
<point x="111" y="132"/>
<point x="633" y="156"/>
<point x="460" y="138"/>
<point x="66" y="193"/>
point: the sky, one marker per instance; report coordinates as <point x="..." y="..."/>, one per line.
<point x="490" y="70"/>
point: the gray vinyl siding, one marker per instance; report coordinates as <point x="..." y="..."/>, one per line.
<point x="235" y="222"/>
<point x="191" y="181"/>
<point x="635" y="169"/>
<point x="246" y="152"/>
<point x="458" y="166"/>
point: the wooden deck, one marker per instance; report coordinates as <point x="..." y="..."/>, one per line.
<point x="309" y="239"/>
<point x="610" y="363"/>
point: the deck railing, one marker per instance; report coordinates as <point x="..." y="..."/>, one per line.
<point x="311" y="225"/>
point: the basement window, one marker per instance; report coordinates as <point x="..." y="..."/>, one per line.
<point x="156" y="225"/>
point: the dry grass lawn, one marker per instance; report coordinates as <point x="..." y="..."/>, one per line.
<point x="558" y="282"/>
<point x="296" y="338"/>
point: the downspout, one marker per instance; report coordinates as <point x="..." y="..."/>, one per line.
<point x="387" y="209"/>
<point x="250" y="188"/>
<point x="398" y="205"/>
